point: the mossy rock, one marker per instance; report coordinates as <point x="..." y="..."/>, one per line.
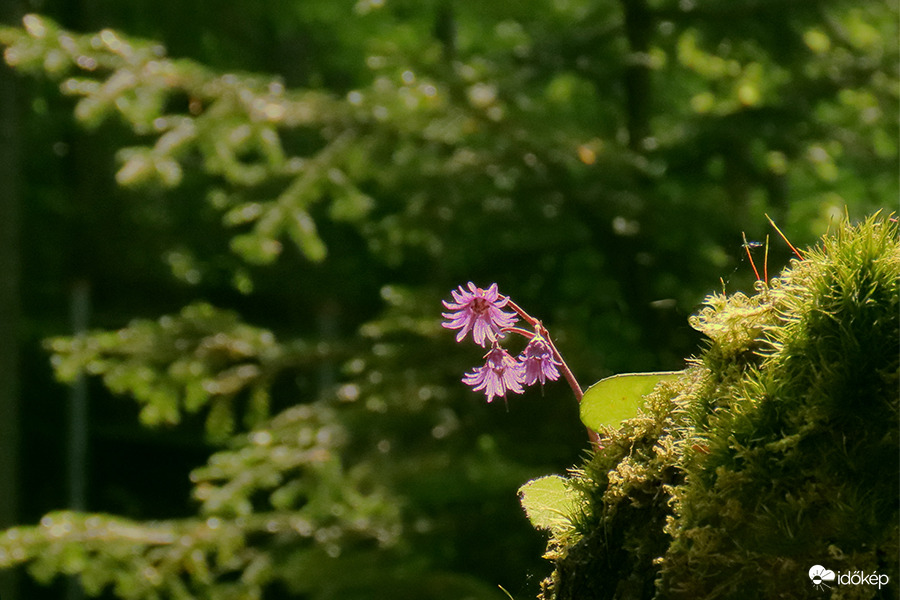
<point x="777" y="449"/>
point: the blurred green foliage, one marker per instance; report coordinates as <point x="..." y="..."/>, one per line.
<point x="309" y="179"/>
<point x="200" y="357"/>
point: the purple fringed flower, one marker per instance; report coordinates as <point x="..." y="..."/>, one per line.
<point x="538" y="363"/>
<point x="501" y="373"/>
<point x="478" y="311"/>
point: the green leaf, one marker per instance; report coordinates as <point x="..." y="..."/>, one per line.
<point x="614" y="399"/>
<point x="549" y="502"/>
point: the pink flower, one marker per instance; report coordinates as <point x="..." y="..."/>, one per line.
<point x="538" y="363"/>
<point x="501" y="373"/>
<point x="478" y="311"/>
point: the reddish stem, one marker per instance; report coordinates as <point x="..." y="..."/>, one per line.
<point x="539" y="328"/>
<point x="523" y="332"/>
<point x="528" y="318"/>
<point x="593" y="436"/>
<point x="750" y="256"/>
<point x="784" y="237"/>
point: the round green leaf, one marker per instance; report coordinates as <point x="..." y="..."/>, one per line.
<point x="614" y="399"/>
<point x="549" y="502"/>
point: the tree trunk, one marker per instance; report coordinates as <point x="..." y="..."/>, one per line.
<point x="638" y="29"/>
<point x="10" y="308"/>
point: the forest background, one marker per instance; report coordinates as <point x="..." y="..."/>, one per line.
<point x="266" y="202"/>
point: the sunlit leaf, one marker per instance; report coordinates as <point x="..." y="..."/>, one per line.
<point x="614" y="399"/>
<point x="549" y="502"/>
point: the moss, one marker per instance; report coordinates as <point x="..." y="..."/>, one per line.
<point x="778" y="449"/>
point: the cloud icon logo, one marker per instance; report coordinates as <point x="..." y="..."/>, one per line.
<point x="819" y="575"/>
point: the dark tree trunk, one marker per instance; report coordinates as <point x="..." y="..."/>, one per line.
<point x="10" y="310"/>
<point x="638" y="29"/>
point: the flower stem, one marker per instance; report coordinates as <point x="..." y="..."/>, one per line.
<point x="523" y="332"/>
<point x="593" y="436"/>
<point x="528" y="318"/>
<point x="540" y="330"/>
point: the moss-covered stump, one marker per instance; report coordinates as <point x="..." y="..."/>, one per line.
<point x="776" y="451"/>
